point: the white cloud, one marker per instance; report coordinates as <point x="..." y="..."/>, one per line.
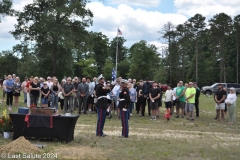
<point x="136" y="24"/>
<point x="160" y="46"/>
<point x="7" y="41"/>
<point x="8" y="22"/>
<point x="207" y="8"/>
<point x="144" y="3"/>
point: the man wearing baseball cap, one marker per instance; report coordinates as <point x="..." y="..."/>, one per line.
<point x="220" y="97"/>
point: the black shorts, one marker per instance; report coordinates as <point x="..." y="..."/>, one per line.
<point x="16" y="94"/>
<point x="168" y="104"/>
<point x="174" y="103"/>
<point x="90" y="100"/>
<point x="154" y="105"/>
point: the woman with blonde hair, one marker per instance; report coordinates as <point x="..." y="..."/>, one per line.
<point x="16" y="90"/>
<point x="34" y="88"/>
<point x="55" y="89"/>
<point x="231" y="105"/>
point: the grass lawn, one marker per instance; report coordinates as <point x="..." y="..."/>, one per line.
<point x="177" y="139"/>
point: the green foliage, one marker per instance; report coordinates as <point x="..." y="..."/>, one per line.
<point x="144" y="60"/>
<point x="8" y="62"/>
<point x="99" y="49"/>
<point x="123" y="68"/>
<point x="5" y="122"/>
<point x="122" y="50"/>
<point x="197" y="52"/>
<point x="88" y="67"/>
<point x="55" y="28"/>
<point x="5" y="7"/>
<point x="160" y="75"/>
<point x="107" y="69"/>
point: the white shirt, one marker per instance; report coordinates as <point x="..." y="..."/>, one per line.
<point x="168" y="95"/>
<point x="231" y="98"/>
<point x="91" y="88"/>
<point x="174" y="93"/>
<point x="49" y="84"/>
<point x="115" y="89"/>
<point x="4" y="85"/>
<point x="93" y="84"/>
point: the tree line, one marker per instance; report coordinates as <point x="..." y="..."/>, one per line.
<point x="55" y="42"/>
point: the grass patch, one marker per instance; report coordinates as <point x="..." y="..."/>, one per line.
<point x="177" y="139"/>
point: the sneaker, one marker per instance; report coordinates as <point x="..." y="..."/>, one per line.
<point x="177" y="116"/>
<point x="10" y="108"/>
<point x="131" y="114"/>
<point x="151" y="118"/>
<point x="154" y="118"/>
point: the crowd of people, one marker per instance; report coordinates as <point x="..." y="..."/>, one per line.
<point x="87" y="95"/>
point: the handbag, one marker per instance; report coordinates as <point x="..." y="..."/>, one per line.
<point x="49" y="97"/>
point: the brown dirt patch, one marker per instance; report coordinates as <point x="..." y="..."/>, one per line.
<point x="20" y="145"/>
<point x="79" y="152"/>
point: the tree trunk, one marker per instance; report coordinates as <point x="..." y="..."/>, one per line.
<point x="237" y="45"/>
<point x="221" y="61"/>
<point x="54" y="60"/>
<point x="196" y="61"/>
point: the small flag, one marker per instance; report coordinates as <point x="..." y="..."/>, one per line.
<point x="119" y="32"/>
<point x="113" y="74"/>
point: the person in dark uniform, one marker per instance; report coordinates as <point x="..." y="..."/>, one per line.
<point x="139" y="104"/>
<point x="197" y="99"/>
<point x="146" y="88"/>
<point x="124" y="100"/>
<point x="102" y="105"/>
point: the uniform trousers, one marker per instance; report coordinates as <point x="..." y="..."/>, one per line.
<point x="101" y="120"/>
<point x="124" y="120"/>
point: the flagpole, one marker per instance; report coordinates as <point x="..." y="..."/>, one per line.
<point x="116" y="54"/>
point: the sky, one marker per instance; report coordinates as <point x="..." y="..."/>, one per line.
<point x="137" y="19"/>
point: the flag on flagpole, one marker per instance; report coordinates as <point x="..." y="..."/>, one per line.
<point x="119" y="32"/>
<point x="113" y="74"/>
